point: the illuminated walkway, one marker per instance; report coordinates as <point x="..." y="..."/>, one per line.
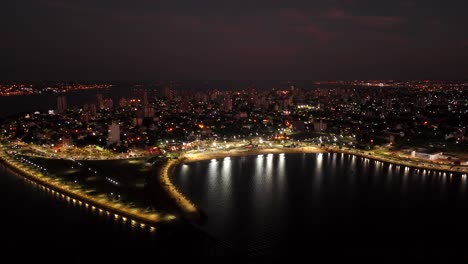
<point x="188" y="208"/>
<point x="399" y="161"/>
<point x="101" y="203"/>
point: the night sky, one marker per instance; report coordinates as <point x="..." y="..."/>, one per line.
<point x="199" y="40"/>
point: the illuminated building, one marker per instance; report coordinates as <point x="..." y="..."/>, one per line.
<point x="114" y="134"/>
<point x="61" y="104"/>
<point x="320" y="126"/>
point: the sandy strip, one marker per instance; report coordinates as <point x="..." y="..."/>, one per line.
<point x="193" y="157"/>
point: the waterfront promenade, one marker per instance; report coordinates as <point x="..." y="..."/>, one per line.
<point x="407" y="162"/>
<point x="99" y="202"/>
<point x="188" y="208"/>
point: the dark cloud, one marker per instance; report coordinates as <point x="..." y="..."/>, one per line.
<point x="371" y="21"/>
<point x="143" y="39"/>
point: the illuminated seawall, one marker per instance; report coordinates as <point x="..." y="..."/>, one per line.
<point x="405" y="163"/>
<point x="187" y="207"/>
<point x="104" y="205"/>
<point x="191" y="210"/>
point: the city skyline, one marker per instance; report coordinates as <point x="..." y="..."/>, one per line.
<point x="169" y="162"/>
<point x="247" y="130"/>
<point x="146" y="40"/>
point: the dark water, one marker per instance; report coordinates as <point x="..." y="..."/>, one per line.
<point x="329" y="205"/>
<point x="323" y="207"/>
<point x="33" y="220"/>
<point x="10" y="105"/>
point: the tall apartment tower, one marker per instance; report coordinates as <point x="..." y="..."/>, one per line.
<point x="100" y="101"/>
<point x="114" y="134"/>
<point x="61" y="104"/>
<point x="228" y="106"/>
<point x="145" y="98"/>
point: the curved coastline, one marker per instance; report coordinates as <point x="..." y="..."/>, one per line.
<point x="191" y="211"/>
<point x="188" y="208"/>
<point x="395" y="162"/>
<point x="237" y="153"/>
<point x="104" y="206"/>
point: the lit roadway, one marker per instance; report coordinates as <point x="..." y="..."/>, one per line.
<point x="115" y="209"/>
<point x="33" y="150"/>
<point x="418" y="164"/>
<point x="185" y="204"/>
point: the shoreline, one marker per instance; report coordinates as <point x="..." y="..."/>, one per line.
<point x="190" y="209"/>
<point x="184" y="204"/>
<point x="188" y="157"/>
<point x="119" y="212"/>
<point x="397" y="162"/>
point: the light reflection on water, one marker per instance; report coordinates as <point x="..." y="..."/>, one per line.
<point x="317" y="176"/>
<point x="280" y="175"/>
<point x="226" y="175"/>
<point x="256" y="200"/>
<point x="212" y="173"/>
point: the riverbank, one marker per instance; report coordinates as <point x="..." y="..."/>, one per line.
<point x="103" y="205"/>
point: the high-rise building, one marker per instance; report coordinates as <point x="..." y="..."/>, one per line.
<point x="92" y="110"/>
<point x="148" y="111"/>
<point x="61" y="104"/>
<point x="84" y="117"/>
<point x="228" y="104"/>
<point x="145" y="98"/>
<point x="168" y="93"/>
<point x="252" y="92"/>
<point x="137" y="121"/>
<point x="184" y="105"/>
<point x="100" y="102"/>
<point x="320" y="126"/>
<point x="387" y="103"/>
<point x="114" y="134"/>
<point x="123" y="102"/>
<point x="107" y="103"/>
